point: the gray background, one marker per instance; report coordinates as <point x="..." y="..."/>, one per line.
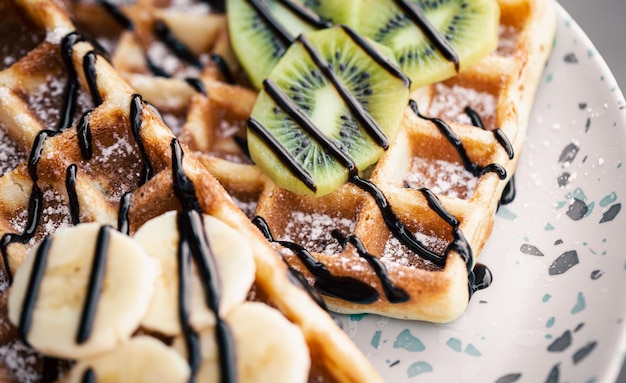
<point x="604" y="21"/>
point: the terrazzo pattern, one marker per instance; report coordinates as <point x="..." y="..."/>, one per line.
<point x="555" y="310"/>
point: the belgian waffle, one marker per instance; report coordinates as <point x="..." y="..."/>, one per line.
<point x="443" y="177"/>
<point x="441" y="181"/>
<point x="82" y="146"/>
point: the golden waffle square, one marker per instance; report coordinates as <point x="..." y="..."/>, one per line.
<point x="85" y="149"/>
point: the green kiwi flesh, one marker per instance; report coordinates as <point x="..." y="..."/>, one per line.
<point x="337" y="12"/>
<point x="257" y="46"/>
<point x="469" y="26"/>
<point x="383" y="95"/>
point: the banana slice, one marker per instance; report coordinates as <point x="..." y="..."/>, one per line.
<point x="160" y="238"/>
<point x="142" y="359"/>
<point x="72" y="261"/>
<point x="269" y="347"/>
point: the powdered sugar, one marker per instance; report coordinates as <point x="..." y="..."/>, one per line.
<point x="248" y="207"/>
<point x="442" y="177"/>
<point x="396" y="253"/>
<point x="56" y="35"/>
<point x="46" y="100"/>
<point x="190" y="6"/>
<point x="56" y="213"/>
<point x="161" y="56"/>
<point x="120" y="161"/>
<point x="450" y="101"/>
<point x="507" y="40"/>
<point x="10" y="156"/>
<point x="21" y="361"/>
<point x="173" y="122"/>
<point x="313" y="231"/>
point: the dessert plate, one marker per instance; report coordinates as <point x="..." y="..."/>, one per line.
<point x="555" y="309"/>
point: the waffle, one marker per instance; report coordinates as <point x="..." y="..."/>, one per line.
<point x="81" y="147"/>
<point x="443" y="177"/>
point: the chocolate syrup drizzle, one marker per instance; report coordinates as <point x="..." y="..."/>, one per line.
<point x="89" y="376"/>
<point x="342" y="287"/>
<point x="84" y="136"/>
<point x="497" y="133"/>
<point x="361" y="114"/>
<point x="306" y="14"/>
<point x="94" y="288"/>
<point x="136" y="120"/>
<point x="70" y="185"/>
<point x="416" y="15"/>
<point x="70" y="92"/>
<point x="393" y="293"/>
<point x="165" y="35"/>
<point x="35" y="205"/>
<point x="194" y="246"/>
<point x="295" y="276"/>
<point x="447" y="132"/>
<point x="89" y="67"/>
<point x="114" y="11"/>
<point x="277" y="27"/>
<point x="123" y="221"/>
<point x="32" y="290"/>
<point x="508" y="194"/>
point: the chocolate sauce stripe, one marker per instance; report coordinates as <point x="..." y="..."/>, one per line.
<point x="395" y="225"/>
<point x="303" y="121"/>
<point x="345" y="288"/>
<point x="119" y="16"/>
<point x="70" y="186"/>
<point x="35" y="204"/>
<point x="360" y="113"/>
<point x="282" y="153"/>
<point x="416" y="15"/>
<point x="194" y="246"/>
<point x="305" y="14"/>
<point x="95" y="285"/>
<point x="89" y="68"/>
<point x="163" y="33"/>
<point x="378" y="57"/>
<point x="136" y="120"/>
<point x="70" y="91"/>
<point x="266" y="15"/>
<point x="456" y="142"/>
<point x="33" y="287"/>
<point x="502" y="139"/>
<point x="89" y="376"/>
<point x="84" y="136"/>
<point x="192" y="342"/>
<point x="393" y="293"/>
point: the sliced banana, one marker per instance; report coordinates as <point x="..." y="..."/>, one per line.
<point x="128" y="279"/>
<point x="235" y="262"/>
<point x="142" y="359"/>
<point x="269" y="348"/>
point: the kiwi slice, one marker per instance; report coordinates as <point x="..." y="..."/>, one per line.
<point x="262" y="30"/>
<point x="432" y="39"/>
<point x="329" y="108"/>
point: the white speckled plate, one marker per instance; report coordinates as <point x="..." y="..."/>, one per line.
<point x="556" y="308"/>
